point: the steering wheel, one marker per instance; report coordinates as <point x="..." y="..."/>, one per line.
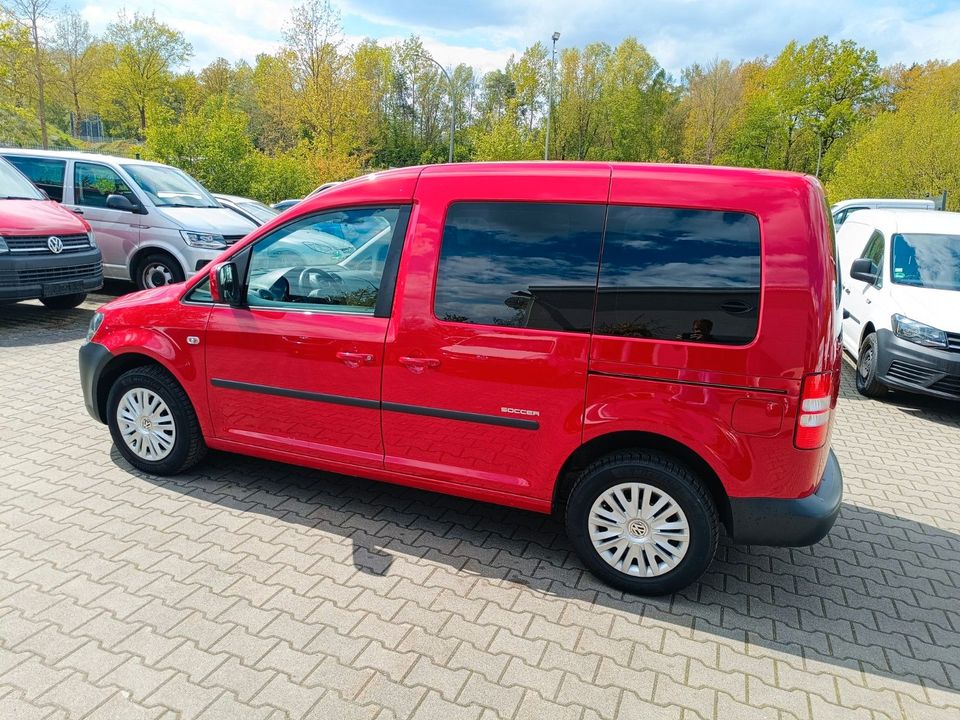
<point x="317" y="271"/>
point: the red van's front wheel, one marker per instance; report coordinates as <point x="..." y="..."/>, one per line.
<point x="642" y="523"/>
<point x="153" y="423"/>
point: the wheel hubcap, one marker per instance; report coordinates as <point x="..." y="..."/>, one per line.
<point x="866" y="362"/>
<point x="639" y="529"/>
<point x="157" y="275"/>
<point x="146" y="424"/>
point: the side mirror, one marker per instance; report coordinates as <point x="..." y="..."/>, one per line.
<point x="864" y="270"/>
<point x="225" y="284"/>
<point x="121" y="202"/>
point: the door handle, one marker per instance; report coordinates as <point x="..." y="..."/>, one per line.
<point x="736" y="307"/>
<point x="418" y="365"/>
<point x="76" y="211"/>
<point x="354" y="359"/>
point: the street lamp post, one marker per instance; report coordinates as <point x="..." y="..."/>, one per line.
<point x="453" y="107"/>
<point x="553" y="71"/>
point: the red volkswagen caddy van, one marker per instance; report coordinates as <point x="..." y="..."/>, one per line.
<point x="652" y="351"/>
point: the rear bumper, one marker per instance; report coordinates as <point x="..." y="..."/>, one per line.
<point x="914" y="368"/>
<point x="38" y="276"/>
<point x="789" y="523"/>
<point x="93" y="359"/>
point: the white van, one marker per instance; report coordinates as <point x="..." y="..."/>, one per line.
<point x="845" y="208"/>
<point x="901" y="300"/>
<point x="155" y="225"/>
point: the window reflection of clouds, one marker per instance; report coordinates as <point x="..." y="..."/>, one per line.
<point x="492" y="254"/>
<point x="931" y="261"/>
<point x="691" y="275"/>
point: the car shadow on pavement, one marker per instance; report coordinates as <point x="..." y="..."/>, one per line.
<point x="880" y="595"/>
<point x="30" y="324"/>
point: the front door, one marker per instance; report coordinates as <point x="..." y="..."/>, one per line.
<point x="859" y="296"/>
<point x="298" y="369"/>
<point x="485" y="369"/>
<point x="117" y="231"/>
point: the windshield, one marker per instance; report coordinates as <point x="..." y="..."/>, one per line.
<point x="260" y="211"/>
<point x="169" y="187"/>
<point x="926" y="261"/>
<point x="13" y="185"/>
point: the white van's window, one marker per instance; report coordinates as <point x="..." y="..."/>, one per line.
<point x="926" y="261"/>
<point x="92" y="183"/>
<point x="333" y="260"/>
<point x="45" y="173"/>
<point x="873" y="251"/>
<point x="676" y="274"/>
<point x="169" y="187"/>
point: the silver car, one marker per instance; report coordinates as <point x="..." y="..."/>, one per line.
<point x="155" y="224"/>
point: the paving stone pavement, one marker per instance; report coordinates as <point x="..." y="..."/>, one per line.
<point x="250" y="589"/>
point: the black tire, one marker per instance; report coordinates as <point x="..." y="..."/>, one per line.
<point x="188" y="446"/>
<point x="157" y="269"/>
<point x="867" y="361"/>
<point x="64" y="302"/>
<point x="662" y="474"/>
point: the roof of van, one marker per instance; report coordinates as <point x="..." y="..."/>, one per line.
<point x="901" y="220"/>
<point x="76" y="155"/>
<point x="560" y="166"/>
<point x="885" y="202"/>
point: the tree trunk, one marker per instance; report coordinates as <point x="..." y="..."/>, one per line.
<point x="143" y="119"/>
<point x="41" y="99"/>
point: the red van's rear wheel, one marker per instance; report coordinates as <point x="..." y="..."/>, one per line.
<point x="642" y="523"/>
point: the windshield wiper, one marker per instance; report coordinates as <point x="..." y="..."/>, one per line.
<point x="17" y="197"/>
<point x="188" y="205"/>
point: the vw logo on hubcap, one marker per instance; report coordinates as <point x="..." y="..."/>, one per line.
<point x="638" y="528"/>
<point x="55" y="244"/>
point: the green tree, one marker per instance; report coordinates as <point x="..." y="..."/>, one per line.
<point x="911" y="151"/>
<point x="211" y="144"/>
<point x="146" y="52"/>
<point x="78" y="59"/>
<point x="31" y="15"/>
<point x="710" y="100"/>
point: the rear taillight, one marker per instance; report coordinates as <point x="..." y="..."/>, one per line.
<point x="817" y="399"/>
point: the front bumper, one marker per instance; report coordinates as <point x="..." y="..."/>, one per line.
<point x="93" y="359"/>
<point x="29" y="277"/>
<point x="914" y="368"/>
<point x="789" y="523"/>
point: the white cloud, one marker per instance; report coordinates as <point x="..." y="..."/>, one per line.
<point x="485" y="33"/>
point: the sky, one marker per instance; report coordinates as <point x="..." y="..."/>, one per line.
<point x="484" y="34"/>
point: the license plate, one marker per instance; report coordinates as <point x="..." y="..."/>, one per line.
<point x="62" y="288"/>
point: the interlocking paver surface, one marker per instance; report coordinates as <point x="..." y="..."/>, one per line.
<point x="249" y="589"/>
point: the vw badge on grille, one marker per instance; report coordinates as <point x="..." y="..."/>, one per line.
<point x="55" y="244"/>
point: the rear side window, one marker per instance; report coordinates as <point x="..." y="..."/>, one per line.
<point x="530" y="265"/>
<point x="676" y="274"/>
<point x="45" y="173"/>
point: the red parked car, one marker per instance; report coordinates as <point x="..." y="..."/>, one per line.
<point x="652" y="351"/>
<point x="46" y="252"/>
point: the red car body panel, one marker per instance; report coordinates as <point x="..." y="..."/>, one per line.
<point x="39" y="217"/>
<point x="481" y="369"/>
<point x="733" y="406"/>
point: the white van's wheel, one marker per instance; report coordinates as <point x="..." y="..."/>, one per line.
<point x="158" y="269"/>
<point x="867" y="362"/>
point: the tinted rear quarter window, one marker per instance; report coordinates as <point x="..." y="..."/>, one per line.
<point x="510" y="264"/>
<point x="679" y="274"/>
<point x="46" y="174"/>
